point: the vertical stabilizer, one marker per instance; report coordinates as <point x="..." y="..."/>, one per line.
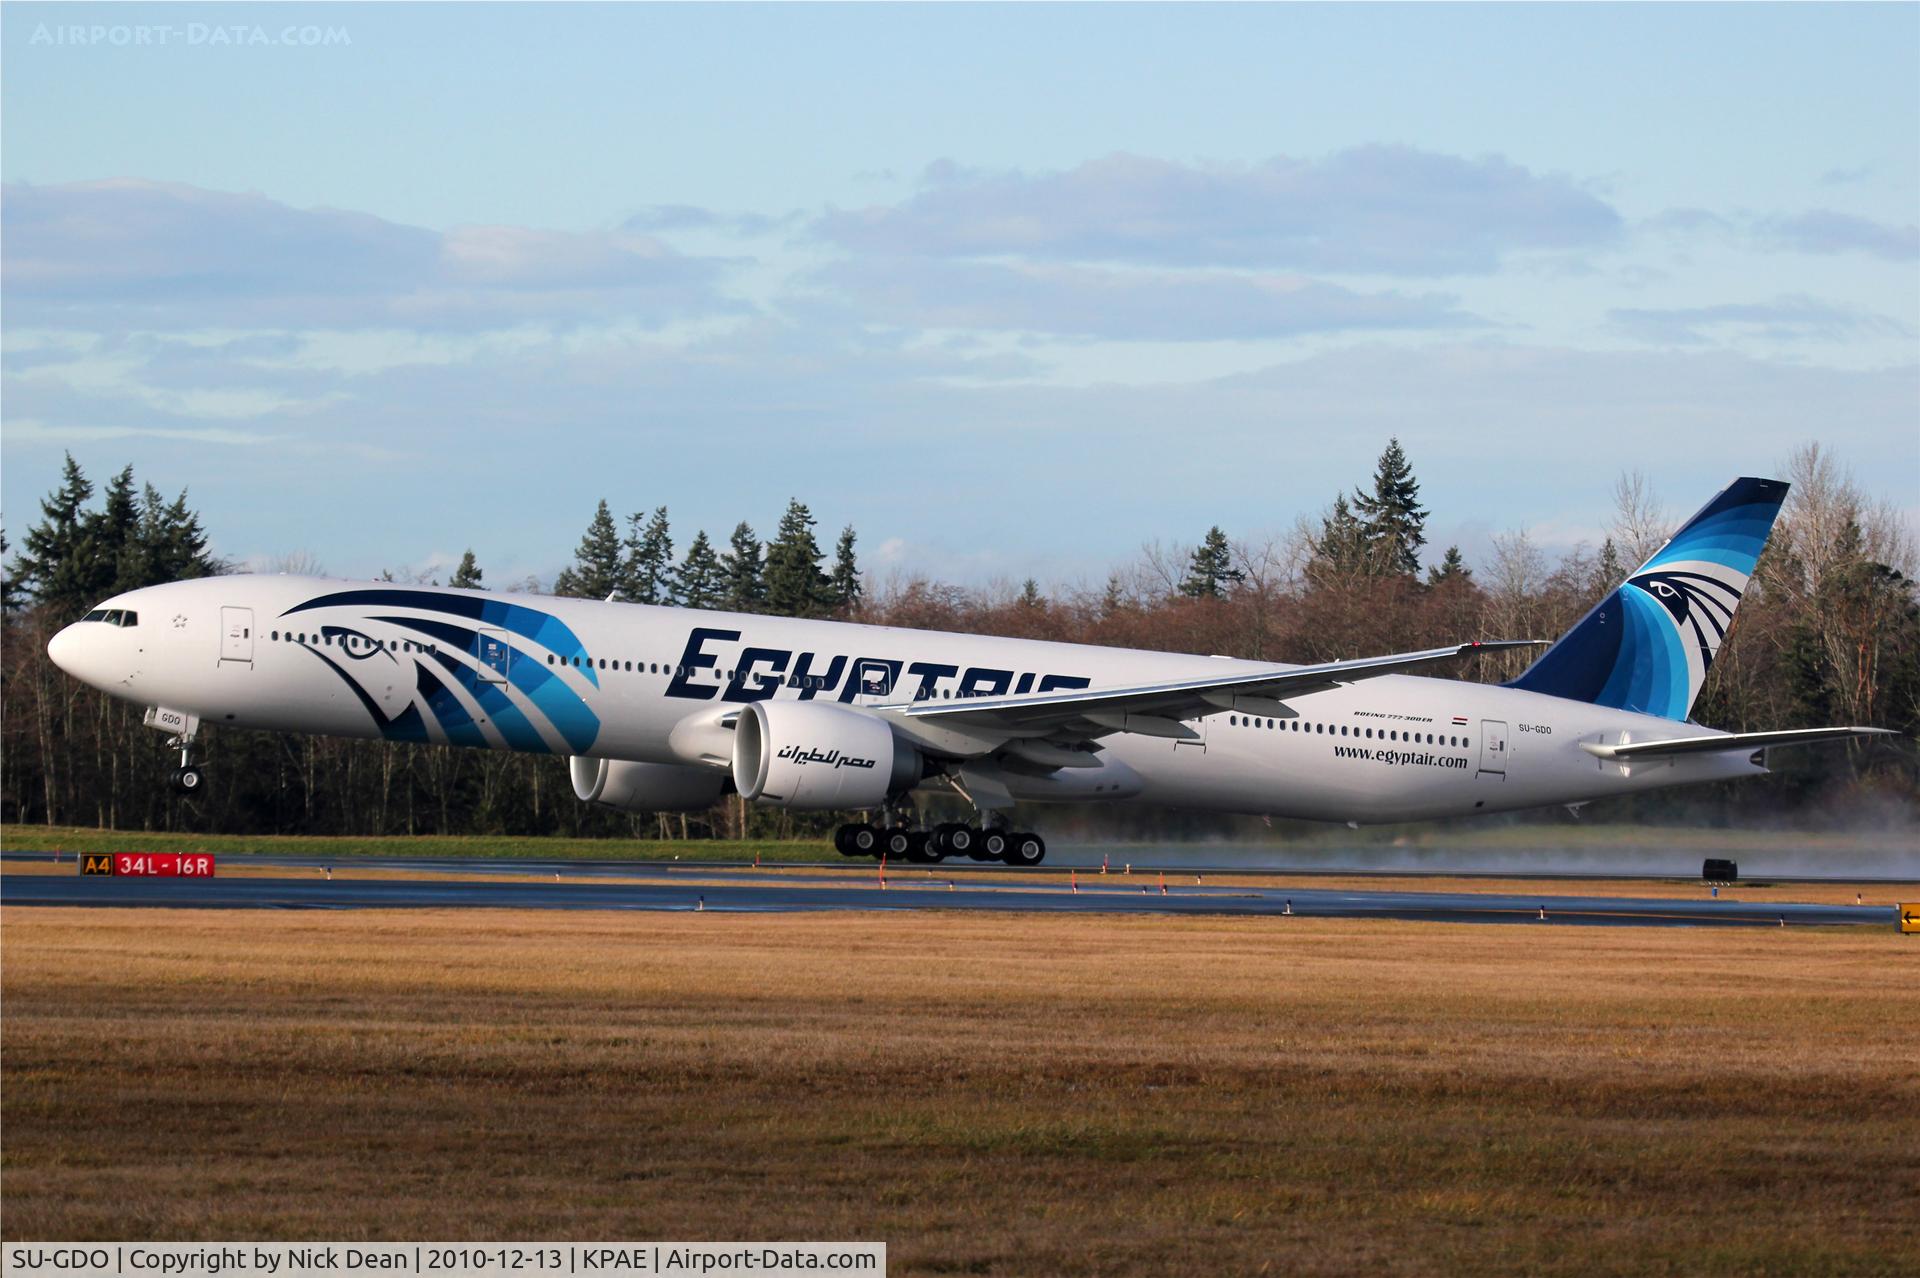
<point x="1648" y="645"/>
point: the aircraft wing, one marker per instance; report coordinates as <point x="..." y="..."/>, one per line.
<point x="1156" y="709"/>
<point x="1729" y="741"/>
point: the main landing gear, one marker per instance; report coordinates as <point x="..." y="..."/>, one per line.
<point x="902" y="842"/>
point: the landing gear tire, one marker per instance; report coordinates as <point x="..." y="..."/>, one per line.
<point x="187" y="780"/>
<point x="993" y="845"/>
<point x="1026" y="849"/>
<point x="953" y="839"/>
<point x="904" y="844"/>
<point x="860" y="840"/>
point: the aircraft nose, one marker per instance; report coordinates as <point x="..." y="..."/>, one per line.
<point x="64" y="650"/>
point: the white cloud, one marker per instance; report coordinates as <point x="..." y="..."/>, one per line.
<point x="1824" y="231"/>
<point x="129" y="253"/>
<point x="1128" y="305"/>
<point x="1374" y="209"/>
<point x="1784" y="319"/>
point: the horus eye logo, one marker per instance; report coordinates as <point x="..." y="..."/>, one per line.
<point x="1701" y="605"/>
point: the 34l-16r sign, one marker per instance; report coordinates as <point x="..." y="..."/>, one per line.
<point x="163" y="865"/>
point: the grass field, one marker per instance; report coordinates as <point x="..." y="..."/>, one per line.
<point x="70" y="838"/>
<point x="988" y="1094"/>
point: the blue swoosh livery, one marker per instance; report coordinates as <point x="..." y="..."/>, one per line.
<point x="1648" y="646"/>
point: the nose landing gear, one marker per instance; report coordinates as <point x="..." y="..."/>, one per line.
<point x="182" y="730"/>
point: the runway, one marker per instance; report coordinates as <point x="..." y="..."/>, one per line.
<point x="736" y="889"/>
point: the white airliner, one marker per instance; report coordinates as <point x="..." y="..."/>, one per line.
<point x="665" y="709"/>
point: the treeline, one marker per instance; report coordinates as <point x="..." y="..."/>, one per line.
<point x="1830" y="633"/>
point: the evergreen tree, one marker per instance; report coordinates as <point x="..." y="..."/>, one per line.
<point x="795" y="585"/>
<point x="1452" y="568"/>
<point x="57" y="565"/>
<point x="179" y="548"/>
<point x="595" y="573"/>
<point x="1392" y="520"/>
<point x="467" y="576"/>
<point x="648" y="572"/>
<point x="1609" y="572"/>
<point x="746" y="580"/>
<point x="844" y="591"/>
<point x="701" y="581"/>
<point x="1030" y="595"/>
<point x="117" y="535"/>
<point x="1211" y="569"/>
<point x="9" y="595"/>
<point x="171" y="545"/>
<point x="1340" y="551"/>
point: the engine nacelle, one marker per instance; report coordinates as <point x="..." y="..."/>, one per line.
<point x="646" y="787"/>
<point x="816" y="755"/>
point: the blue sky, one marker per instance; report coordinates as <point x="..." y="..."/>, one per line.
<point x="1011" y="288"/>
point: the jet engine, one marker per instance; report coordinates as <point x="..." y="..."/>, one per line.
<point x="646" y="787"/>
<point x="816" y="755"/>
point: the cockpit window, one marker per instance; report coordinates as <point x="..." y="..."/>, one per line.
<point x="98" y="614"/>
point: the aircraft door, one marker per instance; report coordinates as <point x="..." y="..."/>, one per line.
<point x="1493" y="746"/>
<point x="493" y="654"/>
<point x="236" y="634"/>
<point x="872" y="680"/>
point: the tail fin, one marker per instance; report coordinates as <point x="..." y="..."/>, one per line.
<point x="1648" y="645"/>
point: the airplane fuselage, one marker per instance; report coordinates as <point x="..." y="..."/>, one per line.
<point x="597" y="680"/>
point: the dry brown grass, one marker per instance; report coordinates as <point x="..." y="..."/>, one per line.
<point x="987" y="1093"/>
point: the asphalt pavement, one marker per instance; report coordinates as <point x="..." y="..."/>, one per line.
<point x="302" y="883"/>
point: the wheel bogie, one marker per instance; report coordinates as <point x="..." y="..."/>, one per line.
<point x="1025" y="849"/>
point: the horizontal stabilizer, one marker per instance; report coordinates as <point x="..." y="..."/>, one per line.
<point x="1730" y="741"/>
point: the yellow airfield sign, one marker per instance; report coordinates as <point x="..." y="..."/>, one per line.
<point x="1909" y="912"/>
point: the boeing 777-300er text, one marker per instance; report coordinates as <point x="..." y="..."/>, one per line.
<point x="665" y="709"/>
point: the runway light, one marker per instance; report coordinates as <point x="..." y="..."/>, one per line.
<point x="1163" y="883"/>
<point x="1103" y="863"/>
<point x="702" y="904"/>
<point x="1543" y="911"/>
<point x="1075" y="875"/>
<point x="1289" y="908"/>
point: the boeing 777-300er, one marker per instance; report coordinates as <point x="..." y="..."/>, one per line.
<point x="667" y="709"/>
